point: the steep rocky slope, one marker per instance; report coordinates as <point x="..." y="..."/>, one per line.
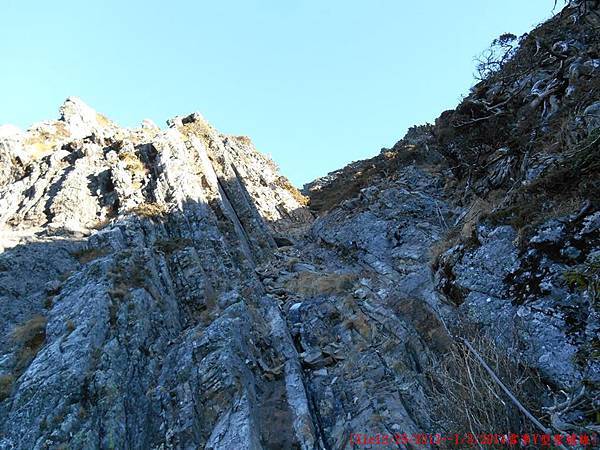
<point x="517" y="166"/>
<point x="169" y="289"/>
<point x="132" y="310"/>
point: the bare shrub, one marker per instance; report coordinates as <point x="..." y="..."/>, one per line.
<point x="464" y="394"/>
<point x="493" y="59"/>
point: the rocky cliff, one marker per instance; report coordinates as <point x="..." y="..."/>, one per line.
<point x="169" y="289"/>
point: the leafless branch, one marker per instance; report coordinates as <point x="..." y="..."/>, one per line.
<point x="510" y="395"/>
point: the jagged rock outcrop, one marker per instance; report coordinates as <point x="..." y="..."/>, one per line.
<point x="174" y="300"/>
<point x="133" y="317"/>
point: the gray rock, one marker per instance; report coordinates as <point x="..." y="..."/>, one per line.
<point x="169" y="289"/>
<point x="553" y="232"/>
<point x="591" y="224"/>
<point x="591" y="115"/>
<point x="139" y="260"/>
<point x="571" y="252"/>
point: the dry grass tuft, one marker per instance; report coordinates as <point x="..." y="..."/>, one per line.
<point x="586" y="276"/>
<point x="100" y="224"/>
<point x="284" y="183"/>
<point x="440" y="247"/>
<point x="42" y="142"/>
<point x="313" y="284"/>
<point x="559" y="191"/>
<point x="133" y="163"/>
<point x="30" y="337"/>
<point x="243" y="140"/>
<point x="89" y="254"/>
<point x="129" y="272"/>
<point x="464" y="394"/>
<point x="197" y="127"/>
<point x="466" y="231"/>
<point x="150" y="210"/>
<point x="6" y="384"/>
<point x="30" y="332"/>
<point x="359" y="323"/>
<point x="103" y="120"/>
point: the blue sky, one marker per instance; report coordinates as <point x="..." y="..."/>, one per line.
<point x="315" y="83"/>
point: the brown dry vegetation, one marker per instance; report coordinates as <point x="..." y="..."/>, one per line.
<point x="243" y="140"/>
<point x="132" y="162"/>
<point x="29" y="337"/>
<point x="129" y="272"/>
<point x="351" y="179"/>
<point x="470" y="135"/>
<point x="150" y="210"/>
<point x="199" y="128"/>
<point x="284" y="183"/>
<point x="467" y="398"/>
<point x="561" y="190"/>
<point x="41" y="143"/>
<point x="360" y="323"/>
<point x="6" y="384"/>
<point x="86" y="255"/>
<point x="465" y="232"/>
<point x="103" y="121"/>
<point x="312" y="283"/>
<point x="586" y="276"/>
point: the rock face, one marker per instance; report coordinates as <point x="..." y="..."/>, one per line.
<point x="168" y="289"/>
<point x="132" y="310"/>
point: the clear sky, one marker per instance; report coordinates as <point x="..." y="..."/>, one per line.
<point x="315" y="83"/>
